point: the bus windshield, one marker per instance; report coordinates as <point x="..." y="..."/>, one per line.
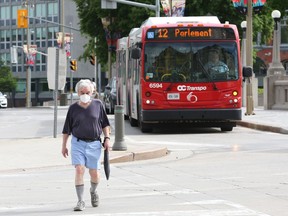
<point x="191" y="62"/>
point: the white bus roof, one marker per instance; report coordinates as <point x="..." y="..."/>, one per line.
<point x="192" y="19"/>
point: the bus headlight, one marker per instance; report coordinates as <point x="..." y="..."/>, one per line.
<point x="152" y="102"/>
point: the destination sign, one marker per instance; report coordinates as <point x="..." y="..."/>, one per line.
<point x="187" y="33"/>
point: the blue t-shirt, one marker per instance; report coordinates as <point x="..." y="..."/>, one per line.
<point x="86" y="123"/>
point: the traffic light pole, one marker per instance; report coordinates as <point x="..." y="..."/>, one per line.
<point x="71" y="73"/>
<point x="28" y="72"/>
<point x="249" y="60"/>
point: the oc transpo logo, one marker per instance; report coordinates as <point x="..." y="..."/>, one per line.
<point x="192" y="98"/>
<point x="181" y="88"/>
<point x="191" y="88"/>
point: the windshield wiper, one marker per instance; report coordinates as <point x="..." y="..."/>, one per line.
<point x="206" y="72"/>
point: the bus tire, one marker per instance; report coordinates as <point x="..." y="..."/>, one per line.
<point x="145" y="128"/>
<point x="226" y="128"/>
<point x="133" y="122"/>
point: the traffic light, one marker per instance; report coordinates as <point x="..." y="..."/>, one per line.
<point x="92" y="59"/>
<point x="22" y="18"/>
<point x="73" y="65"/>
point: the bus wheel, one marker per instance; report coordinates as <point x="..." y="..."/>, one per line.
<point x="145" y="128"/>
<point x="226" y="128"/>
<point x="133" y="122"/>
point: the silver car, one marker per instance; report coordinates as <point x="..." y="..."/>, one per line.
<point x="3" y="100"/>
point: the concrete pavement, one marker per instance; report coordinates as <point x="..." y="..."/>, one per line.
<point x="21" y="154"/>
<point x="266" y="120"/>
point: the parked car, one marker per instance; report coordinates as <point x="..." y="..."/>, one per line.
<point x="3" y="100"/>
<point x="109" y="98"/>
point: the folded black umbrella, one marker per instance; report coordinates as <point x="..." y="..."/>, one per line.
<point x="106" y="164"/>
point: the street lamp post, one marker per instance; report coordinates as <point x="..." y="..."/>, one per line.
<point x="243" y="56"/>
<point x="276" y="67"/>
<point x="276" y="70"/>
<point x="249" y="61"/>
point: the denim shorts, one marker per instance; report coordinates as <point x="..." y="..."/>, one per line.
<point x="86" y="153"/>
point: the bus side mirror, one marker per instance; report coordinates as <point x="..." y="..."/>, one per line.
<point x="136" y="53"/>
<point x="247" y="71"/>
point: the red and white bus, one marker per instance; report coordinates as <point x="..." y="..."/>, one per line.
<point x="164" y="73"/>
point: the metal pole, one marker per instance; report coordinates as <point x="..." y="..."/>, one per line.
<point x="28" y="84"/>
<point x="243" y="56"/>
<point x="249" y="60"/>
<point x="170" y="8"/>
<point x="56" y="93"/>
<point x="157" y="9"/>
<point x="28" y="73"/>
<point x="71" y="73"/>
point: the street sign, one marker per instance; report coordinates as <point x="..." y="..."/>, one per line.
<point x="14" y="58"/>
<point x="51" y="68"/>
<point x="106" y="4"/>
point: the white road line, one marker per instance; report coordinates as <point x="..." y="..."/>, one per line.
<point x="185" y="213"/>
<point x="209" y="209"/>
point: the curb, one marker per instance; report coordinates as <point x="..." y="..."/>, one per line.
<point x="141" y="155"/>
<point x="262" y="127"/>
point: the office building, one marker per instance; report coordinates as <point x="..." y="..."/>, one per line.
<point x="46" y="19"/>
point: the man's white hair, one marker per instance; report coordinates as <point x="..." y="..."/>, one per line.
<point x="84" y="83"/>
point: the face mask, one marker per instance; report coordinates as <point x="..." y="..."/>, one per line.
<point x="85" y="98"/>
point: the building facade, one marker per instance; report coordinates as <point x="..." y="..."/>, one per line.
<point x="46" y="19"/>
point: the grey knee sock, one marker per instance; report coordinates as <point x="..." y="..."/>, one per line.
<point x="93" y="187"/>
<point x="80" y="191"/>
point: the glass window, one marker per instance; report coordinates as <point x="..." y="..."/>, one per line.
<point x="21" y="86"/>
<point x="38" y="33"/>
<point x="40" y="10"/>
<point x="8" y="35"/>
<point x="2" y="35"/>
<point x="52" y="32"/>
<point x="44" y="33"/>
<point x="5" y="13"/>
<point x="14" y="11"/>
<point x="191" y="62"/>
<point x="52" y="9"/>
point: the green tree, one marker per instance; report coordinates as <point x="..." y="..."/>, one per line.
<point x="127" y="17"/>
<point x="8" y="82"/>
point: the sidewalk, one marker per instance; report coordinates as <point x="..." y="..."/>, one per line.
<point x="21" y="154"/>
<point x="266" y="120"/>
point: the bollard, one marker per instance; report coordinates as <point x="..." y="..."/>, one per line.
<point x="119" y="144"/>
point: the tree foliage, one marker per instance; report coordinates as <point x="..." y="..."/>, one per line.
<point x="8" y="82"/>
<point x="126" y="17"/>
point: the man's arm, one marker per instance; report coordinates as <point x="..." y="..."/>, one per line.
<point x="64" y="145"/>
<point x="106" y="132"/>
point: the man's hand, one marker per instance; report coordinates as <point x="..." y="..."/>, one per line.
<point x="65" y="152"/>
<point x="106" y="144"/>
